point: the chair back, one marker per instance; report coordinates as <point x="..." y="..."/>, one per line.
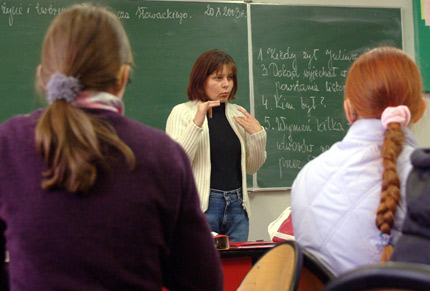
<point x="383" y="276"/>
<point x="314" y="274"/>
<point x="277" y="270"/>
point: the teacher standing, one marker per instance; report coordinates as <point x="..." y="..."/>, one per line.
<point x="224" y="143"/>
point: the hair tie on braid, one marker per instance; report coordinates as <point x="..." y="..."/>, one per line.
<point x="385" y="239"/>
<point x="399" y="114"/>
<point x="62" y="87"/>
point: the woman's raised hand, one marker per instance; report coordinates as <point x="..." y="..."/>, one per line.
<point x="205" y="107"/>
<point x="248" y="122"/>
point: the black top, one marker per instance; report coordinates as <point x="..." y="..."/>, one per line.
<point x="225" y="152"/>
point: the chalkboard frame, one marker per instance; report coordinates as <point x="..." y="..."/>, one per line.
<point x="422" y="45"/>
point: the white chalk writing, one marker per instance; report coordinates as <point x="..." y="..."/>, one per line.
<point x="301" y="97"/>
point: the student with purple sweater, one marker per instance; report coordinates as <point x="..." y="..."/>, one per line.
<point x="84" y="198"/>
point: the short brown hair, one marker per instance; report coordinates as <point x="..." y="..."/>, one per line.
<point x="208" y="63"/>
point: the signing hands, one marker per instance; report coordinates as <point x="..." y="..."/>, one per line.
<point x="205" y="107"/>
<point x="248" y="122"/>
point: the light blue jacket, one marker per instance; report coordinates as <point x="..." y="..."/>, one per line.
<point x="335" y="197"/>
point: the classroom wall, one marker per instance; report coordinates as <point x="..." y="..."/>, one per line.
<point x="267" y="205"/>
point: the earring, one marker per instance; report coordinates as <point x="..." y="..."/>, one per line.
<point x="353" y="114"/>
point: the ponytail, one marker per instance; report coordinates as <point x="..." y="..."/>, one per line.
<point x="70" y="142"/>
<point x="393" y="119"/>
<point x="390" y="194"/>
<point x="84" y="50"/>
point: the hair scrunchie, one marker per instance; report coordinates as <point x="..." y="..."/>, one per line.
<point x="385" y="239"/>
<point x="399" y="114"/>
<point x="62" y="87"/>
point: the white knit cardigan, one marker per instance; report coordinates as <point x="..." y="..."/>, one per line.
<point x="195" y="141"/>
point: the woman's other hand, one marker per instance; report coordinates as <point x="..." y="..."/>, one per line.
<point x="249" y="123"/>
<point x="205" y="107"/>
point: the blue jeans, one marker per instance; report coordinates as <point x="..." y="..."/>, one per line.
<point x="226" y="214"/>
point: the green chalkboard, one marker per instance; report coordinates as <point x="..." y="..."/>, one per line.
<point x="422" y="44"/>
<point x="301" y="55"/>
<point x="166" y="38"/>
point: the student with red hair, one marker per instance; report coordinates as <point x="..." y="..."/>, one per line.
<point x="348" y="204"/>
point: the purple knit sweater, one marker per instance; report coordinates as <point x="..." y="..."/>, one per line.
<point x="136" y="230"/>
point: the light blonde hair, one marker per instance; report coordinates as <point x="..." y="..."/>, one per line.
<point x="90" y="44"/>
